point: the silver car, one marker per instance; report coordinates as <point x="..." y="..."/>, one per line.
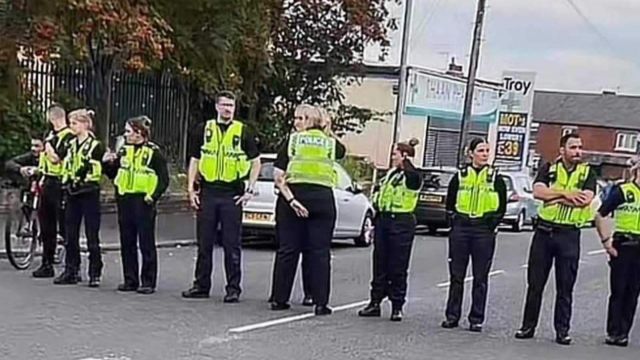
<point x="354" y="210"/>
<point x="522" y="208"/>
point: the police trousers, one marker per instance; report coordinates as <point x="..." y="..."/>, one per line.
<point x="218" y="210"/>
<point x="304" y="264"/>
<point x="393" y="242"/>
<point x="552" y="244"/>
<point x="475" y="241"/>
<point x="624" y="279"/>
<point x="85" y="206"/>
<point x="137" y="225"/>
<point x="51" y="217"/>
<point x="310" y="236"/>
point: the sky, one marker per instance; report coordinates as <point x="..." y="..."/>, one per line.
<point x="597" y="50"/>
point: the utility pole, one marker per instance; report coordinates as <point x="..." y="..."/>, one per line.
<point x="465" y="126"/>
<point x="402" y="87"/>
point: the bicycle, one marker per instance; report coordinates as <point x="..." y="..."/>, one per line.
<point x="22" y="229"/>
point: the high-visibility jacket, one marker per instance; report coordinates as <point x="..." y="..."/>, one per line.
<point x="134" y="175"/>
<point x="477" y="195"/>
<point x="221" y="156"/>
<point x="79" y="158"/>
<point x="312" y="157"/>
<point x="562" y="214"/>
<point x="627" y="215"/>
<point x="46" y="166"/>
<point x="394" y="196"/>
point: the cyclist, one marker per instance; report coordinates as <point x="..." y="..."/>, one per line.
<point x="23" y="166"/>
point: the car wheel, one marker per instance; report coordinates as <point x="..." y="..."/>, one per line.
<point x="519" y="223"/>
<point x="366" y="234"/>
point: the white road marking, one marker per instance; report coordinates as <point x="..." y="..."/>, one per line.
<point x="469" y="278"/>
<point x="596" y="252"/>
<point x="289" y="319"/>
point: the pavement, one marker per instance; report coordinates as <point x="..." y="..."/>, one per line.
<point x="42" y="321"/>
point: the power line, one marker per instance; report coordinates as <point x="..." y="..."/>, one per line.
<point x="426" y="19"/>
<point x="590" y="24"/>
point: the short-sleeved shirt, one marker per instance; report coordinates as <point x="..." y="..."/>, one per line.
<point x="544" y="178"/>
<point x="282" y="162"/>
<point x="612" y="201"/>
<point x="248" y="144"/>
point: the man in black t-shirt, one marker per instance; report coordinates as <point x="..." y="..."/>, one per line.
<point x="224" y="155"/>
<point x="566" y="188"/>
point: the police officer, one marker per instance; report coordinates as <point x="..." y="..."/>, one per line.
<point x="622" y="243"/>
<point x="305" y="175"/>
<point x="299" y="123"/>
<point x="141" y="177"/>
<point x="82" y="173"/>
<point x="50" y="213"/>
<point x="566" y="188"/>
<point x="476" y="202"/>
<point x="224" y="154"/>
<point x="395" y="225"/>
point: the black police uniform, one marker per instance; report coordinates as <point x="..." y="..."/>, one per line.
<point x="83" y="202"/>
<point x="218" y="209"/>
<point x="393" y="242"/>
<point x="137" y="224"/>
<point x="552" y="243"/>
<point x="624" y="277"/>
<point x="51" y="212"/>
<point x="310" y="236"/>
<point x="475" y="238"/>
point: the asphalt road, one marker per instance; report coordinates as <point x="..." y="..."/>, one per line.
<point x="42" y="321"/>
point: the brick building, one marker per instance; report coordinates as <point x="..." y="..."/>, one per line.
<point x="609" y="125"/>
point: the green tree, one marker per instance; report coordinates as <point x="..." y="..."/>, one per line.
<point x="104" y="35"/>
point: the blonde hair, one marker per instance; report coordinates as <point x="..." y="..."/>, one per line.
<point x="84" y="116"/>
<point x="312" y="115"/>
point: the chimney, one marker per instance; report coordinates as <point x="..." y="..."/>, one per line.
<point x="455" y="69"/>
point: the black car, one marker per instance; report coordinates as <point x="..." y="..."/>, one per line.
<point x="431" y="210"/>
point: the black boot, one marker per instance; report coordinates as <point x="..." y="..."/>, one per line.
<point x="307" y="301"/>
<point x="44" y="271"/>
<point x="66" y="278"/>
<point x="371" y="310"/>
<point x="449" y="324"/>
<point x="94" y="281"/>
<point x="525" y="333"/>
<point x="322" y="310"/>
<point x="396" y="315"/>
<point x="563" y="339"/>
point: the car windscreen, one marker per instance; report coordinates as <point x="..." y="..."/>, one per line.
<point x="266" y="171"/>
<point x="433" y="179"/>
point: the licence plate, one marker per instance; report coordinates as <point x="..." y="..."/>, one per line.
<point x="255" y="216"/>
<point x="431" y="198"/>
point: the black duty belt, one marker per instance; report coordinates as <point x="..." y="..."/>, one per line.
<point x="399" y="216"/>
<point x="626" y="239"/>
<point x="466" y="220"/>
<point x="552" y="227"/>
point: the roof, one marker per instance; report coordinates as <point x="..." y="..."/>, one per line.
<point x="592" y="109"/>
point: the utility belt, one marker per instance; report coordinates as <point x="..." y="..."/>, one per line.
<point x="622" y="239"/>
<point x="462" y="219"/>
<point x="396" y="216"/>
<point x="74" y="189"/>
<point x="550" y="227"/>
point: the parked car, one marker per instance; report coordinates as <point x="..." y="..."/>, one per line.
<point x="522" y="208"/>
<point x="354" y="210"/>
<point x="431" y="210"/>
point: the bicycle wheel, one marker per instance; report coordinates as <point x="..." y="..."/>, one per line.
<point x="21" y="239"/>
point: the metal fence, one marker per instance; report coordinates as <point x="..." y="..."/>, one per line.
<point x="157" y="95"/>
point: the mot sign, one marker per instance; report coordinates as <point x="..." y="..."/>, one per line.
<point x="511" y="137"/>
